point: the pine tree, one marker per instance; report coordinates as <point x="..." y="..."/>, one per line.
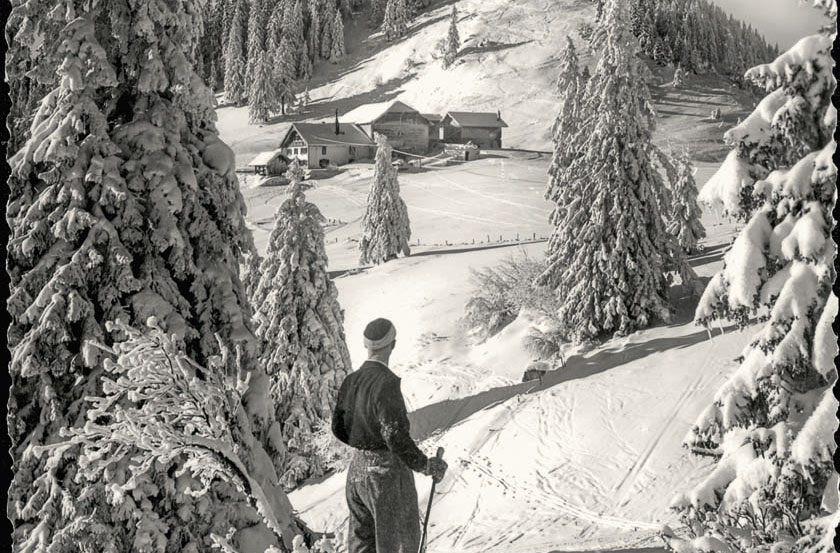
<point x="305" y="68"/>
<point x="301" y="327"/>
<point x="453" y="41"/>
<point x="684" y="220"/>
<point x="567" y="137"/>
<point x="385" y="226"/>
<point x="292" y="28"/>
<point x="337" y="51"/>
<point x="283" y="74"/>
<point x="236" y="60"/>
<point x="679" y="77"/>
<point x="618" y="241"/>
<point x="303" y="65"/>
<point x="787" y="124"/>
<point x="257" y="39"/>
<point x="214" y="76"/>
<point x="395" y="23"/>
<point x="328" y="19"/>
<point x="771" y="425"/>
<point x="114" y="213"/>
<point x="314" y="39"/>
<point x="377" y="12"/>
<point x="262" y="101"/>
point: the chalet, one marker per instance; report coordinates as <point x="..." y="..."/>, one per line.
<point x="270" y="163"/>
<point x="317" y="145"/>
<point x="407" y="130"/>
<point x="481" y="128"/>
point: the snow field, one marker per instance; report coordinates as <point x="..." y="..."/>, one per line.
<point x="588" y="459"/>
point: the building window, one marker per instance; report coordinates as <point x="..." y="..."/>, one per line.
<point x="303" y="151"/>
<point x="323" y="150"/>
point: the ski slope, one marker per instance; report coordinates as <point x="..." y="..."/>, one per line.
<point x="587" y="459"/>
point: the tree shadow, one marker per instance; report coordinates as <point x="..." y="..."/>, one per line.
<point x="445" y="414"/>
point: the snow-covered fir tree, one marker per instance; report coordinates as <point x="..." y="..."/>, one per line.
<point x="453" y="41"/>
<point x="788" y="123"/>
<point x="213" y="81"/>
<point x="262" y="98"/>
<point x="684" y="214"/>
<point x="257" y="39"/>
<point x="114" y="214"/>
<point x="771" y="426"/>
<point x="314" y="36"/>
<point x="303" y="64"/>
<point x="293" y="29"/>
<point x="305" y="67"/>
<point x="301" y="327"/>
<point x="679" y="77"/>
<point x="337" y="52"/>
<point x="236" y="56"/>
<point x="608" y="260"/>
<point x="283" y="74"/>
<point x="327" y="20"/>
<point x="567" y="139"/>
<point x="377" y="12"/>
<point x="385" y="226"/>
<point x="395" y="22"/>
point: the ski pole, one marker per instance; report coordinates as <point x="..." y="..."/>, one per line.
<point x="422" y="548"/>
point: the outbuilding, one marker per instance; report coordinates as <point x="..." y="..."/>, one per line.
<point x="270" y="163"/>
<point x="317" y="145"/>
<point x="481" y="128"/>
<point x="407" y="130"/>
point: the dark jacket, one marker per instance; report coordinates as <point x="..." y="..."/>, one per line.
<point x="370" y="414"/>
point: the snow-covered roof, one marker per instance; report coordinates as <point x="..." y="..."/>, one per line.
<point x="263" y="158"/>
<point x="476" y="119"/>
<point x="323" y="134"/>
<point x="433" y="117"/>
<point x="369" y="113"/>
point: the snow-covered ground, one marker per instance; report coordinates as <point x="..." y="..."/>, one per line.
<point x="589" y="458"/>
<point x="464" y="205"/>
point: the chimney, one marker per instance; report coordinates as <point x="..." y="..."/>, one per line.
<point x="498" y="115"/>
<point x="337" y="132"/>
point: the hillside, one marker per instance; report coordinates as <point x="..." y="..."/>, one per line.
<point x="589" y="458"/>
<point x="508" y="62"/>
<point x="586" y="460"/>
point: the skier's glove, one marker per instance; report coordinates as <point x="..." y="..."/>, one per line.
<point x="436" y="468"/>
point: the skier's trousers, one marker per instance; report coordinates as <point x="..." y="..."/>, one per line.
<point x="382" y="499"/>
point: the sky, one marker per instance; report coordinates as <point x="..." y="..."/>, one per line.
<point x="781" y="21"/>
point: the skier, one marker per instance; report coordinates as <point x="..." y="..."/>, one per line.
<point x="370" y="416"/>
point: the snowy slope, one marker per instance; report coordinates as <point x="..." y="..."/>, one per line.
<point x="508" y="62"/>
<point x="464" y="205"/>
<point x="588" y="459"/>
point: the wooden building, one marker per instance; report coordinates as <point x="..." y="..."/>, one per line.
<point x="481" y="128"/>
<point x="434" y="120"/>
<point x="407" y="130"/>
<point x="270" y="163"/>
<point x="317" y="145"/>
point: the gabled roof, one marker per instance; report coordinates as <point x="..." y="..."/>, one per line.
<point x="369" y="113"/>
<point x="323" y="134"/>
<point x="476" y="119"/>
<point x="432" y="117"/>
<point x="263" y="158"/>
